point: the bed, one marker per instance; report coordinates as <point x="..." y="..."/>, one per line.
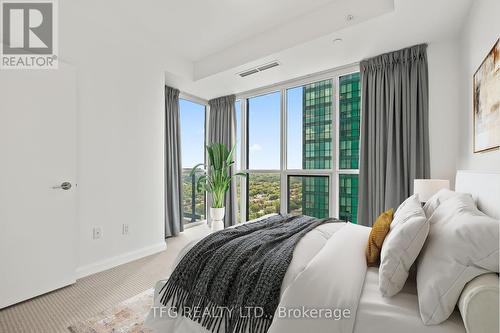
<point x="313" y="279"/>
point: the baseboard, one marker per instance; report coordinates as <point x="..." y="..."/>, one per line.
<point x="119" y="260"/>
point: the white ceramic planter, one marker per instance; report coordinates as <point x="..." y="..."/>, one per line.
<point x="217" y="218"/>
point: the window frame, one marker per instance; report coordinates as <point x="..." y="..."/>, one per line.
<point x="204" y="102"/>
<point x="332" y="173"/>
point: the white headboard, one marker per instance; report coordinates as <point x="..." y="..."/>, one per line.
<point x="484" y="187"/>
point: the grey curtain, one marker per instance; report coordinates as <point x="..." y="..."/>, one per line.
<point x="394" y="129"/>
<point x="173" y="164"/>
<point x="221" y="129"/>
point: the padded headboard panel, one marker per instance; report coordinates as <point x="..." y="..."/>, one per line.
<point x="484" y="187"/>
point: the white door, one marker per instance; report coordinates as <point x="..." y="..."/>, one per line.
<point x="37" y="153"/>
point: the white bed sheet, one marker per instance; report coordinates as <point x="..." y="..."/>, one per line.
<point x="398" y="314"/>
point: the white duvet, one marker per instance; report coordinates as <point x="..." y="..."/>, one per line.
<point x="323" y="287"/>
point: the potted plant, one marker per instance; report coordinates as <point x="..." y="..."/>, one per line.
<point x="216" y="180"/>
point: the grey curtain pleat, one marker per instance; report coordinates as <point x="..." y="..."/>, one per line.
<point x="394" y="129"/>
<point x="222" y="129"/>
<point x="173" y="164"/>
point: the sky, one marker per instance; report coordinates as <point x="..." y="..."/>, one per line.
<point x="294" y="121"/>
<point x="264" y="131"/>
<point x="192" y="117"/>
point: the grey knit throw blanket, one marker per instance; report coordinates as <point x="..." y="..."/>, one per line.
<point x="234" y="276"/>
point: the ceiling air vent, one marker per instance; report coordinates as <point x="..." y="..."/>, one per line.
<point x="249" y="72"/>
<point x="267" y="66"/>
<point x="258" y="69"/>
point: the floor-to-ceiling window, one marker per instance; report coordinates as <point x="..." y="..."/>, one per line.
<point x="300" y="146"/>
<point x="348" y="133"/>
<point x="309" y="113"/>
<point x="192" y="119"/>
<point x="263" y="154"/>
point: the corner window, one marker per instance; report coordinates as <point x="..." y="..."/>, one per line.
<point x="192" y="121"/>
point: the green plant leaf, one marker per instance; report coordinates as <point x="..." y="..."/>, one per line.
<point x="216" y="178"/>
<point x="229" y="157"/>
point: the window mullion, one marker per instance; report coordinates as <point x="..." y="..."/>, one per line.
<point x="334" y="210"/>
<point x="244" y="159"/>
<point x="283" y="150"/>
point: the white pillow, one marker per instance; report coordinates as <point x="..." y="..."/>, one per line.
<point x="462" y="244"/>
<point x="409" y="228"/>
<point x="441" y="196"/>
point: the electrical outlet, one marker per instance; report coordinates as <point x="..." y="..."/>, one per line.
<point x="125" y="229"/>
<point x="97" y="233"/>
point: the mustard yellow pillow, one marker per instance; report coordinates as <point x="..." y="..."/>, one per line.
<point x="380" y="229"/>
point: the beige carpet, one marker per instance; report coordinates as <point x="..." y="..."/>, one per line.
<point x="55" y="311"/>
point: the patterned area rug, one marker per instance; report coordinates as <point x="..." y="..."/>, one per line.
<point x="126" y="317"/>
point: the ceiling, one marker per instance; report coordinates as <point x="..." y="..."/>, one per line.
<point x="200" y="28"/>
<point x="389" y="25"/>
<point x="213" y="40"/>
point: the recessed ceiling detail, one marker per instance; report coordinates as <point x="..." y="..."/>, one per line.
<point x="379" y="26"/>
<point x="323" y="21"/>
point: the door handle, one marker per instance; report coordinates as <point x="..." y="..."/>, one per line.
<point x="64" y="186"/>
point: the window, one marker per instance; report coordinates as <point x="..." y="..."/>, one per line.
<point x="313" y="169"/>
<point x="294" y="102"/>
<point x="263" y="194"/>
<point x="264" y="132"/>
<point x="349" y="131"/>
<point x="349" y="121"/>
<point x="308" y="195"/>
<point x="192" y="121"/>
<point x="309" y="126"/>
<point x="309" y="145"/>
<point x="263" y="153"/>
<point x="348" y="197"/>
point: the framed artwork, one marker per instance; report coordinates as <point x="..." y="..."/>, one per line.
<point x="486" y="99"/>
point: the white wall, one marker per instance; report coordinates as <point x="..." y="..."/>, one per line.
<point x="452" y="62"/>
<point x="120" y="159"/>
<point x="480" y="31"/>
<point x="444" y="107"/>
<point x="120" y="132"/>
